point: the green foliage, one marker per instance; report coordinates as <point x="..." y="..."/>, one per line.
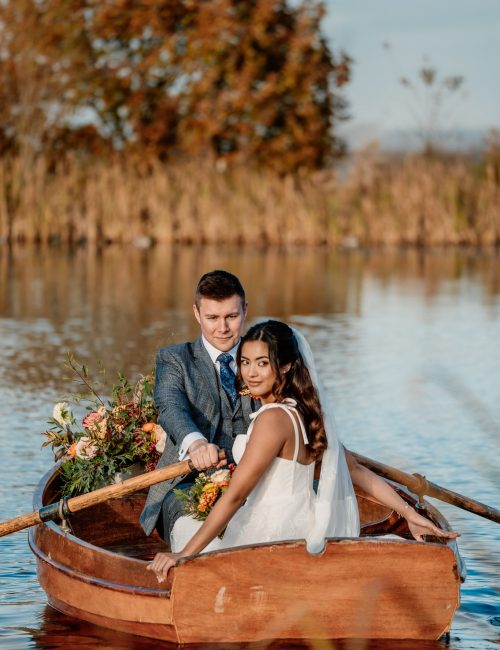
<point x="191" y="496"/>
<point x="80" y="476"/>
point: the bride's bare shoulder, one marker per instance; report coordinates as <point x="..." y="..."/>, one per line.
<point x="276" y="419"/>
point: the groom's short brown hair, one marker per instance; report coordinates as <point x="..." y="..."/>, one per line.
<point x="218" y="285"/>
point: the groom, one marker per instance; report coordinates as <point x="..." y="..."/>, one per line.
<point x="198" y="405"/>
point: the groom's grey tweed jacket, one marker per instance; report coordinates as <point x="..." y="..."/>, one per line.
<point x="189" y="398"/>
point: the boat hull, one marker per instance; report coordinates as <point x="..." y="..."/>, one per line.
<point x="372" y="587"/>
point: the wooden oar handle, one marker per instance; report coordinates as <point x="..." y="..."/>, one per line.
<point x="115" y="491"/>
<point x="18" y="523"/>
<point x="421" y="487"/>
<point x="134" y="484"/>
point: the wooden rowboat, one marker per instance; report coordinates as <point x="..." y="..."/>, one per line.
<point x="368" y="587"/>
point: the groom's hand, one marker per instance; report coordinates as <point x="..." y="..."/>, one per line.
<point x="204" y="455"/>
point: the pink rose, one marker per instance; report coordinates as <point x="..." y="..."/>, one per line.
<point x="96" y="420"/>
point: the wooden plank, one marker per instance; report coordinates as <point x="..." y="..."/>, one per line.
<point x="357" y="588"/>
<point x="89" y="598"/>
<point x="150" y="630"/>
<point x="91" y="561"/>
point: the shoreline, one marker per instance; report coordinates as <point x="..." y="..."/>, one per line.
<point x="411" y="201"/>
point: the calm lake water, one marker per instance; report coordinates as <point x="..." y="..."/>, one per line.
<point x="408" y="345"/>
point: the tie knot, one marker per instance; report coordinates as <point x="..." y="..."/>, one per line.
<point x="225" y="358"/>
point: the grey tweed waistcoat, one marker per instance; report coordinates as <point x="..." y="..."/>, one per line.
<point x="231" y="424"/>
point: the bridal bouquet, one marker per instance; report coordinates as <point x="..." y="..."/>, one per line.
<point x="200" y="498"/>
<point x="113" y="436"/>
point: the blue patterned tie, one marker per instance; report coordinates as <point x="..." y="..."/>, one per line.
<point x="227" y="377"/>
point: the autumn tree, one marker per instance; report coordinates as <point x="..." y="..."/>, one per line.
<point x="253" y="80"/>
<point x="46" y="63"/>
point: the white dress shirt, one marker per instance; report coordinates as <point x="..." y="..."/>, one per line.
<point x="213" y="353"/>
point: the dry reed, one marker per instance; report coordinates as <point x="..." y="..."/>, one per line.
<point x="411" y="200"/>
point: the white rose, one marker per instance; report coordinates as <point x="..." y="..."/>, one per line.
<point x="220" y="476"/>
<point x="86" y="448"/>
<point x="62" y="414"/>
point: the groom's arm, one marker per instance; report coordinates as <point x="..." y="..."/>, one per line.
<point x="175" y="412"/>
<point x="174" y="408"/>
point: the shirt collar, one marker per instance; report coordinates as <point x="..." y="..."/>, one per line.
<point x="214" y="352"/>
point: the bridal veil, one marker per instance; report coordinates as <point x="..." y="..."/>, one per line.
<point x="335" y="511"/>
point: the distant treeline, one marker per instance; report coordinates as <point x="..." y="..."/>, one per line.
<point x="412" y="200"/>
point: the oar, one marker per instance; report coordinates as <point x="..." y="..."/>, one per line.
<point x="65" y="507"/>
<point x="421" y="487"/>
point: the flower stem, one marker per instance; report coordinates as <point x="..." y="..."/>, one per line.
<point x="73" y="365"/>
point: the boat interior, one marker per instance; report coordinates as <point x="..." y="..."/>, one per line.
<point x="114" y="524"/>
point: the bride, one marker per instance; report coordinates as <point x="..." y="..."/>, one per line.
<point x="270" y="496"/>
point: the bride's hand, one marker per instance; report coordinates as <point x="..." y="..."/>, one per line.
<point x="162" y="563"/>
<point x="420" y="526"/>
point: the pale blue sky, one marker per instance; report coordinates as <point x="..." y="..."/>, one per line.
<point x="460" y="37"/>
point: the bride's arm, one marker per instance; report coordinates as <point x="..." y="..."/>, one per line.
<point x="270" y="432"/>
<point x="383" y="492"/>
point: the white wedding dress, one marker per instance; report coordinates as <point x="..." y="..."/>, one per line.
<point x="280" y="507"/>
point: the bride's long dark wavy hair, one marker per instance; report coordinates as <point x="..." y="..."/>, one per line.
<point x="295" y="383"/>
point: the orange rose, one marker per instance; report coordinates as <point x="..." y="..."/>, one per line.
<point x="72" y="450"/>
<point x="210" y="487"/>
<point x="206" y="501"/>
<point x="148" y="426"/>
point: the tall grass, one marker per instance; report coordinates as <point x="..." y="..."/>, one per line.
<point x="377" y="200"/>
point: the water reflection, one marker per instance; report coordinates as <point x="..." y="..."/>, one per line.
<point x="55" y="631"/>
<point x="406" y="343"/>
<point x="118" y="302"/>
